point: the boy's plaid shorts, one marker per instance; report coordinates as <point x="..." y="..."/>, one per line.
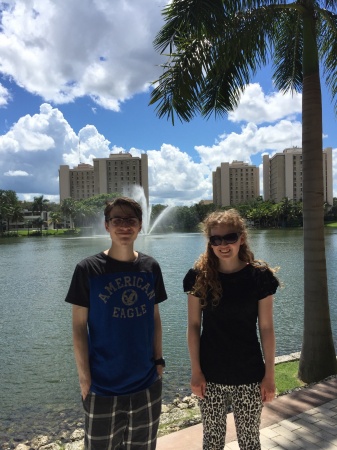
<point x="124" y="421"/>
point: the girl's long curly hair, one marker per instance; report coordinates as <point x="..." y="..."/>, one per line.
<point x="207" y="265"/>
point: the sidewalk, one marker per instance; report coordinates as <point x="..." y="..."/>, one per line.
<point x="304" y="419"/>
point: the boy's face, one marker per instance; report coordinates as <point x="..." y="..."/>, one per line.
<point x="122" y="225"/>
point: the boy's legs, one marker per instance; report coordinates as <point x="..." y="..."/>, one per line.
<point x="214" y="416"/>
<point x="123" y="422"/>
<point x="105" y="421"/>
<point x="247" y="408"/>
<point x="144" y="416"/>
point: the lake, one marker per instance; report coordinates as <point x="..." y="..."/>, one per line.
<point x="40" y="392"/>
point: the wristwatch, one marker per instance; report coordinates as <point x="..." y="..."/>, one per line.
<point x="160" y="362"/>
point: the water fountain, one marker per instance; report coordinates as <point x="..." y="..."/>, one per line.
<point x="137" y="193"/>
<point x="160" y="217"/>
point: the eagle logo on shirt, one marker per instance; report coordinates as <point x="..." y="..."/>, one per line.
<point x="129" y="297"/>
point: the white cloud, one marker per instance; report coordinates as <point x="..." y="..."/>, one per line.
<point x="65" y="49"/>
<point x="34" y="145"/>
<point x="16" y="173"/>
<point x="257" y="107"/>
<point x="251" y="141"/>
<point x="90" y="140"/>
<point x="40" y="132"/>
<point x="175" y="178"/>
<point x="30" y="197"/>
<point x="4" y="96"/>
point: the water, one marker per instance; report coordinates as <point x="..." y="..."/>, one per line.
<point x="40" y="393"/>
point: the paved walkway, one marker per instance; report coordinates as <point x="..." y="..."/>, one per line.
<point x="304" y="419"/>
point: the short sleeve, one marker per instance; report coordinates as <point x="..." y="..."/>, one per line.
<point x="159" y="285"/>
<point x="267" y="282"/>
<point x="78" y="293"/>
<point x="189" y="280"/>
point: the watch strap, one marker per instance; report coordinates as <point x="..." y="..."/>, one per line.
<point x="160" y="362"/>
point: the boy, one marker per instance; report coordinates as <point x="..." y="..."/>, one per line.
<point x="117" y="336"/>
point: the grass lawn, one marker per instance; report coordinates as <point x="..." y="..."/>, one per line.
<point x="331" y="225"/>
<point x="286" y="377"/>
<point x="37" y="232"/>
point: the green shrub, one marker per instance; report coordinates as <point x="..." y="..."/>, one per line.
<point x="10" y="234"/>
<point x="35" y="233"/>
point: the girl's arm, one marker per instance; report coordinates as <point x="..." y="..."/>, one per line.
<point x="198" y="382"/>
<point x="267" y="336"/>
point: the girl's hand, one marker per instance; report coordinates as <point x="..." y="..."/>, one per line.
<point x="268" y="389"/>
<point x="198" y="384"/>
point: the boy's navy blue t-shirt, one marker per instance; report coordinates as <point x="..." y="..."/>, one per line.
<point x="120" y="297"/>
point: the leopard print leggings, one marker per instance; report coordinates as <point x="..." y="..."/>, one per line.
<point x="246" y="403"/>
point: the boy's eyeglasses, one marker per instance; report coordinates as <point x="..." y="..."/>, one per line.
<point x="229" y="238"/>
<point x="123" y="221"/>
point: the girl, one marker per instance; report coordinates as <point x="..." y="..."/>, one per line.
<point x="228" y="293"/>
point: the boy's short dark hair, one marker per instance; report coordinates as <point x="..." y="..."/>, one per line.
<point x="123" y="202"/>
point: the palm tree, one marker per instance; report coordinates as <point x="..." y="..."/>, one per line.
<point x="17" y="214"/>
<point x="68" y="209"/>
<point x="55" y="217"/>
<point x="285" y="211"/>
<point x="213" y="48"/>
<point x="9" y="203"/>
<point x="39" y="204"/>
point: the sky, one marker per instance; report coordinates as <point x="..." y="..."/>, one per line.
<point x="75" y="84"/>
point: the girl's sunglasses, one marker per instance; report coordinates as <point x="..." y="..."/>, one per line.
<point x="229" y="238"/>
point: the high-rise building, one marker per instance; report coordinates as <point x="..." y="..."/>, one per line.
<point x="282" y="175"/>
<point x="77" y="183"/>
<point x="118" y="173"/>
<point x="235" y="183"/>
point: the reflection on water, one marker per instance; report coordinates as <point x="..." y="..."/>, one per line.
<point x="40" y="393"/>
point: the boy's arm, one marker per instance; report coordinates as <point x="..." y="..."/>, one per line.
<point x="158" y="339"/>
<point x="81" y="350"/>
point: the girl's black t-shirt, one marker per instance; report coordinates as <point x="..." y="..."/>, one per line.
<point x="230" y="351"/>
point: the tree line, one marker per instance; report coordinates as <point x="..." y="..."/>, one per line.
<point x="89" y="213"/>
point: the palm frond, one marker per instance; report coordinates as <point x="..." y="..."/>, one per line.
<point x="244" y="5"/>
<point x="330" y="5"/>
<point x="288" y="44"/>
<point x="168" y="102"/>
<point x="222" y="90"/>
<point x="328" y="51"/>
<point x="178" y="88"/>
<point x="230" y="67"/>
<point x="188" y="18"/>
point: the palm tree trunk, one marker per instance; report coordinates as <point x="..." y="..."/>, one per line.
<point x="318" y="357"/>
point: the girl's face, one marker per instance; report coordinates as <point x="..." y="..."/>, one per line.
<point x="229" y="240"/>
